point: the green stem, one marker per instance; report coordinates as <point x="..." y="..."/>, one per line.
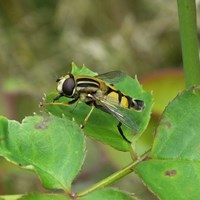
<point x="189" y="41"/>
<point x="111" y="179"/>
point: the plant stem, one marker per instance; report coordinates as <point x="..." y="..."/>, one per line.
<point x="189" y="41"/>
<point x="111" y="179"/>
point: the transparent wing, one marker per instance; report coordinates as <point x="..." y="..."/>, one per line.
<point x="124" y="115"/>
<point x="112" y="77"/>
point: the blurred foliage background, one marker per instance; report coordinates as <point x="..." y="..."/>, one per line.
<point x="40" y="39"/>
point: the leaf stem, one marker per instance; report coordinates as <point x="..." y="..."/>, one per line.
<point x="111" y="179"/>
<point x="189" y="41"/>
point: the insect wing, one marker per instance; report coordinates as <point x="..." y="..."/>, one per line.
<point x="112" y="77"/>
<point x="122" y="114"/>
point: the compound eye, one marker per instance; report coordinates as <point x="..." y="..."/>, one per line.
<point x="68" y="86"/>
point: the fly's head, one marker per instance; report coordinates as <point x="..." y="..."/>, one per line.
<point x="66" y="86"/>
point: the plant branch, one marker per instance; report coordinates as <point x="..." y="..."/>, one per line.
<point x="111" y="179"/>
<point x="189" y="41"/>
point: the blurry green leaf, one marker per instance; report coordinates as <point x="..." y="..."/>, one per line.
<point x="107" y="194"/>
<point x="165" y="86"/>
<point x="102" y="126"/>
<point x="175" y="156"/>
<point x="18" y="85"/>
<point x="53" y="147"/>
<point x="10" y="197"/>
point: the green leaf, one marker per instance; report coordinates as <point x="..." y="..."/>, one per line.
<point x="171" y="179"/>
<point x="51" y="146"/>
<point x="107" y="194"/>
<point x="177" y="135"/>
<point x="82" y="71"/>
<point x="43" y="197"/>
<point x="173" y="171"/>
<point x="34" y="197"/>
<point x="102" y="126"/>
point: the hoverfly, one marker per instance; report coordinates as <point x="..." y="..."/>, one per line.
<point x="98" y="91"/>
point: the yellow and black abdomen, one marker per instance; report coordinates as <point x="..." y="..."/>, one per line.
<point x="118" y="98"/>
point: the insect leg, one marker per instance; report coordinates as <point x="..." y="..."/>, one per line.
<point x="58" y="97"/>
<point x="64" y="103"/>
<point x="121" y="132"/>
<point x="87" y="117"/>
